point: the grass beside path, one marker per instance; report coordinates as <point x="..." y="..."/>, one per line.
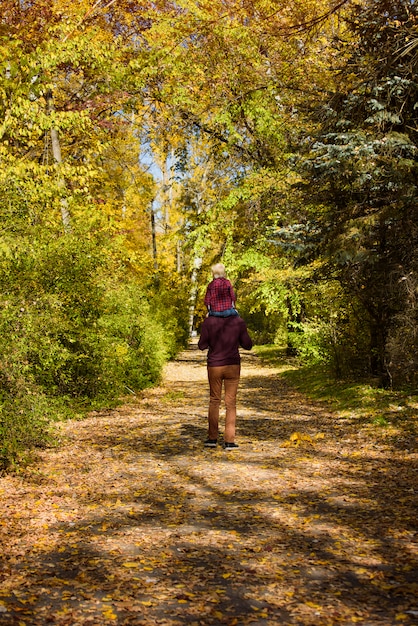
<point x="130" y="521"/>
<point x="388" y="414"/>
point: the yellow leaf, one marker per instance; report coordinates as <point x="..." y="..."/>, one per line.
<point x="296" y="439"/>
<point x="109" y="614"/>
<point x="313" y="605"/>
<point x="226" y="575"/>
<point x="146" y="602"/>
<point x="130" y="564"/>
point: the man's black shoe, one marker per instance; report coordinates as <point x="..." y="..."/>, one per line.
<point x="230" y="446"/>
<point x="211" y="443"/>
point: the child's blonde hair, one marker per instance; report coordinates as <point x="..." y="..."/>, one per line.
<point x="218" y="270"/>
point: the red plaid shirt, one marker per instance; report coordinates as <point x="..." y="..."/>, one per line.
<point x="219" y="295"/>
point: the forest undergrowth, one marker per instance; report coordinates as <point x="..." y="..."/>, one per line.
<point x="129" y="520"/>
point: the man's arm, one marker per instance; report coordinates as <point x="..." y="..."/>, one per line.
<point x="203" y="342"/>
<point x="245" y="340"/>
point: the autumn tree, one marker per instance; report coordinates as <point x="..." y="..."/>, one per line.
<point x="362" y="173"/>
<point x="233" y="76"/>
<point x="74" y="265"/>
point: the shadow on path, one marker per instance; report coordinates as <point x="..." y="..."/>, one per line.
<point x="132" y="522"/>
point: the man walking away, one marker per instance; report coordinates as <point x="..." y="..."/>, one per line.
<point x="223" y="336"/>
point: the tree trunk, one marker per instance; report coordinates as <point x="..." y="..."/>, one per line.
<point x="56" y="151"/>
<point x="154" y="237"/>
<point x="198" y="254"/>
<point x="193" y="292"/>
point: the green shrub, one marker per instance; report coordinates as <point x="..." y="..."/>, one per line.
<point x="308" y="339"/>
<point x="170" y="306"/>
<point x="133" y="346"/>
<point x="76" y="332"/>
<point x="339" y="344"/>
<point x="25" y="423"/>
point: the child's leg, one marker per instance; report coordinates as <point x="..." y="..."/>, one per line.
<point x="228" y="313"/>
<point x="224" y="313"/>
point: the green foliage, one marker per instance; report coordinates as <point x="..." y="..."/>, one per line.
<point x="307" y="340"/>
<point x="169" y="305"/>
<point x="263" y="328"/>
<point x="75" y="333"/>
<point x="77" y="329"/>
<point x="361" y="174"/>
<point x="26" y="419"/>
<point x="132" y="348"/>
<point x="354" y="400"/>
<point x="361" y="402"/>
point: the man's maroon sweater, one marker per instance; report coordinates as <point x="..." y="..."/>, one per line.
<point x="223" y="336"/>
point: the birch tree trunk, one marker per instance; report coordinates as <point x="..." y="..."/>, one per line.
<point x="197" y="264"/>
<point x="198" y="253"/>
<point x="165" y="161"/>
<point x="154" y="237"/>
<point x="56" y="151"/>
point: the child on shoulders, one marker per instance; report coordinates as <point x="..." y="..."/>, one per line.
<point x="220" y="296"/>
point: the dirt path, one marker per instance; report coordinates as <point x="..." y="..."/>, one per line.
<point x="132" y="522"/>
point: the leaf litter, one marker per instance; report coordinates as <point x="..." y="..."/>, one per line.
<point x="131" y="521"/>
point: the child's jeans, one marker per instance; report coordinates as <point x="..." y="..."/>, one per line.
<point x="225" y="313"/>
